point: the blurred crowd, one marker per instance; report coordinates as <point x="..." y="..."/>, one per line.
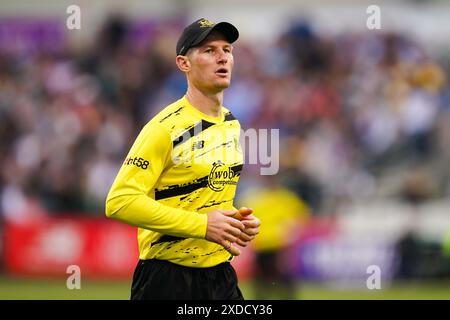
<point x="361" y="116"/>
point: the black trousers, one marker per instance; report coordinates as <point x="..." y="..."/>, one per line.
<point x="163" y="280"/>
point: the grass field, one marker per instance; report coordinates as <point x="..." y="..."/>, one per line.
<point x="55" y="289"/>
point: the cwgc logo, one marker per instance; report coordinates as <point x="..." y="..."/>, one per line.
<point x="220" y="175"/>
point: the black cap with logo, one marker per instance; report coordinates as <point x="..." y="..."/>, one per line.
<point x="197" y="31"/>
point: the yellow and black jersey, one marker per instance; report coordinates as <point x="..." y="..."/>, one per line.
<point x="182" y="165"/>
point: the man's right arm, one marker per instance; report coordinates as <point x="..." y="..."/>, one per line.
<point x="128" y="199"/>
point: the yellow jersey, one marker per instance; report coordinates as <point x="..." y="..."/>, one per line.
<point x="182" y="165"/>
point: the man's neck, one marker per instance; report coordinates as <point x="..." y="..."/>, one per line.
<point x="209" y="104"/>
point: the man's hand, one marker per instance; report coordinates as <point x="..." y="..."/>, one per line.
<point x="224" y="230"/>
<point x="251" y="224"/>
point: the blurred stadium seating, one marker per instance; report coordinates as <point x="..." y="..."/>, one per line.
<point x="363" y="116"/>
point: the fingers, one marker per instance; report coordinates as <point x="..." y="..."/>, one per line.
<point x="233" y="222"/>
<point x="251" y="231"/>
<point x="244" y="211"/>
<point x="231" y="249"/>
<point x="242" y="243"/>
<point x="228" y="213"/>
<point x="251" y="224"/>
<point x="233" y="231"/>
<point x="243" y="240"/>
<point x="232" y="234"/>
<point x="225" y="229"/>
<point x="234" y="251"/>
<point x="236" y="223"/>
<point x="246" y="237"/>
<point x="230" y="238"/>
<point x="254" y="223"/>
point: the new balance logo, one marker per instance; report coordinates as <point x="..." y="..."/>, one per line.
<point x="198" y="144"/>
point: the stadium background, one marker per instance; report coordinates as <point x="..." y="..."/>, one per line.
<point x="364" y="129"/>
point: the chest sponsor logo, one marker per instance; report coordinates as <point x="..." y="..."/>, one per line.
<point x="220" y="176"/>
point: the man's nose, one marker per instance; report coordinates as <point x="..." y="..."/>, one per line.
<point x="223" y="57"/>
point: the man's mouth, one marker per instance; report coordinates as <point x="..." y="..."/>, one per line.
<point x="222" y="72"/>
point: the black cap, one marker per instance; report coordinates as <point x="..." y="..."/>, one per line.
<point x="197" y="31"/>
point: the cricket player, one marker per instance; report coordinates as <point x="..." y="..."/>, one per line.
<point x="178" y="181"/>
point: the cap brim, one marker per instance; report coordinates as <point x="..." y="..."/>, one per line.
<point x="227" y="29"/>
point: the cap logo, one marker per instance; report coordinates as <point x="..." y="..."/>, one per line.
<point x="205" y="23"/>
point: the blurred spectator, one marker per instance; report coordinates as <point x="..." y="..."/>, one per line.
<point x="408" y="249"/>
<point x="351" y="110"/>
<point x="446" y="245"/>
<point x="417" y="187"/>
<point x="282" y="214"/>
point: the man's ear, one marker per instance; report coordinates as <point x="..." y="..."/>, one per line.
<point x="183" y="63"/>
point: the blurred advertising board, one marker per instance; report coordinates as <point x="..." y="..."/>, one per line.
<point x="345" y="259"/>
<point x="47" y="247"/>
<point x="31" y="34"/>
<point x="326" y="252"/>
<point x="106" y="248"/>
<point x="100" y="247"/>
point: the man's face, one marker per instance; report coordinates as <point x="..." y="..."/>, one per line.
<point x="211" y="63"/>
